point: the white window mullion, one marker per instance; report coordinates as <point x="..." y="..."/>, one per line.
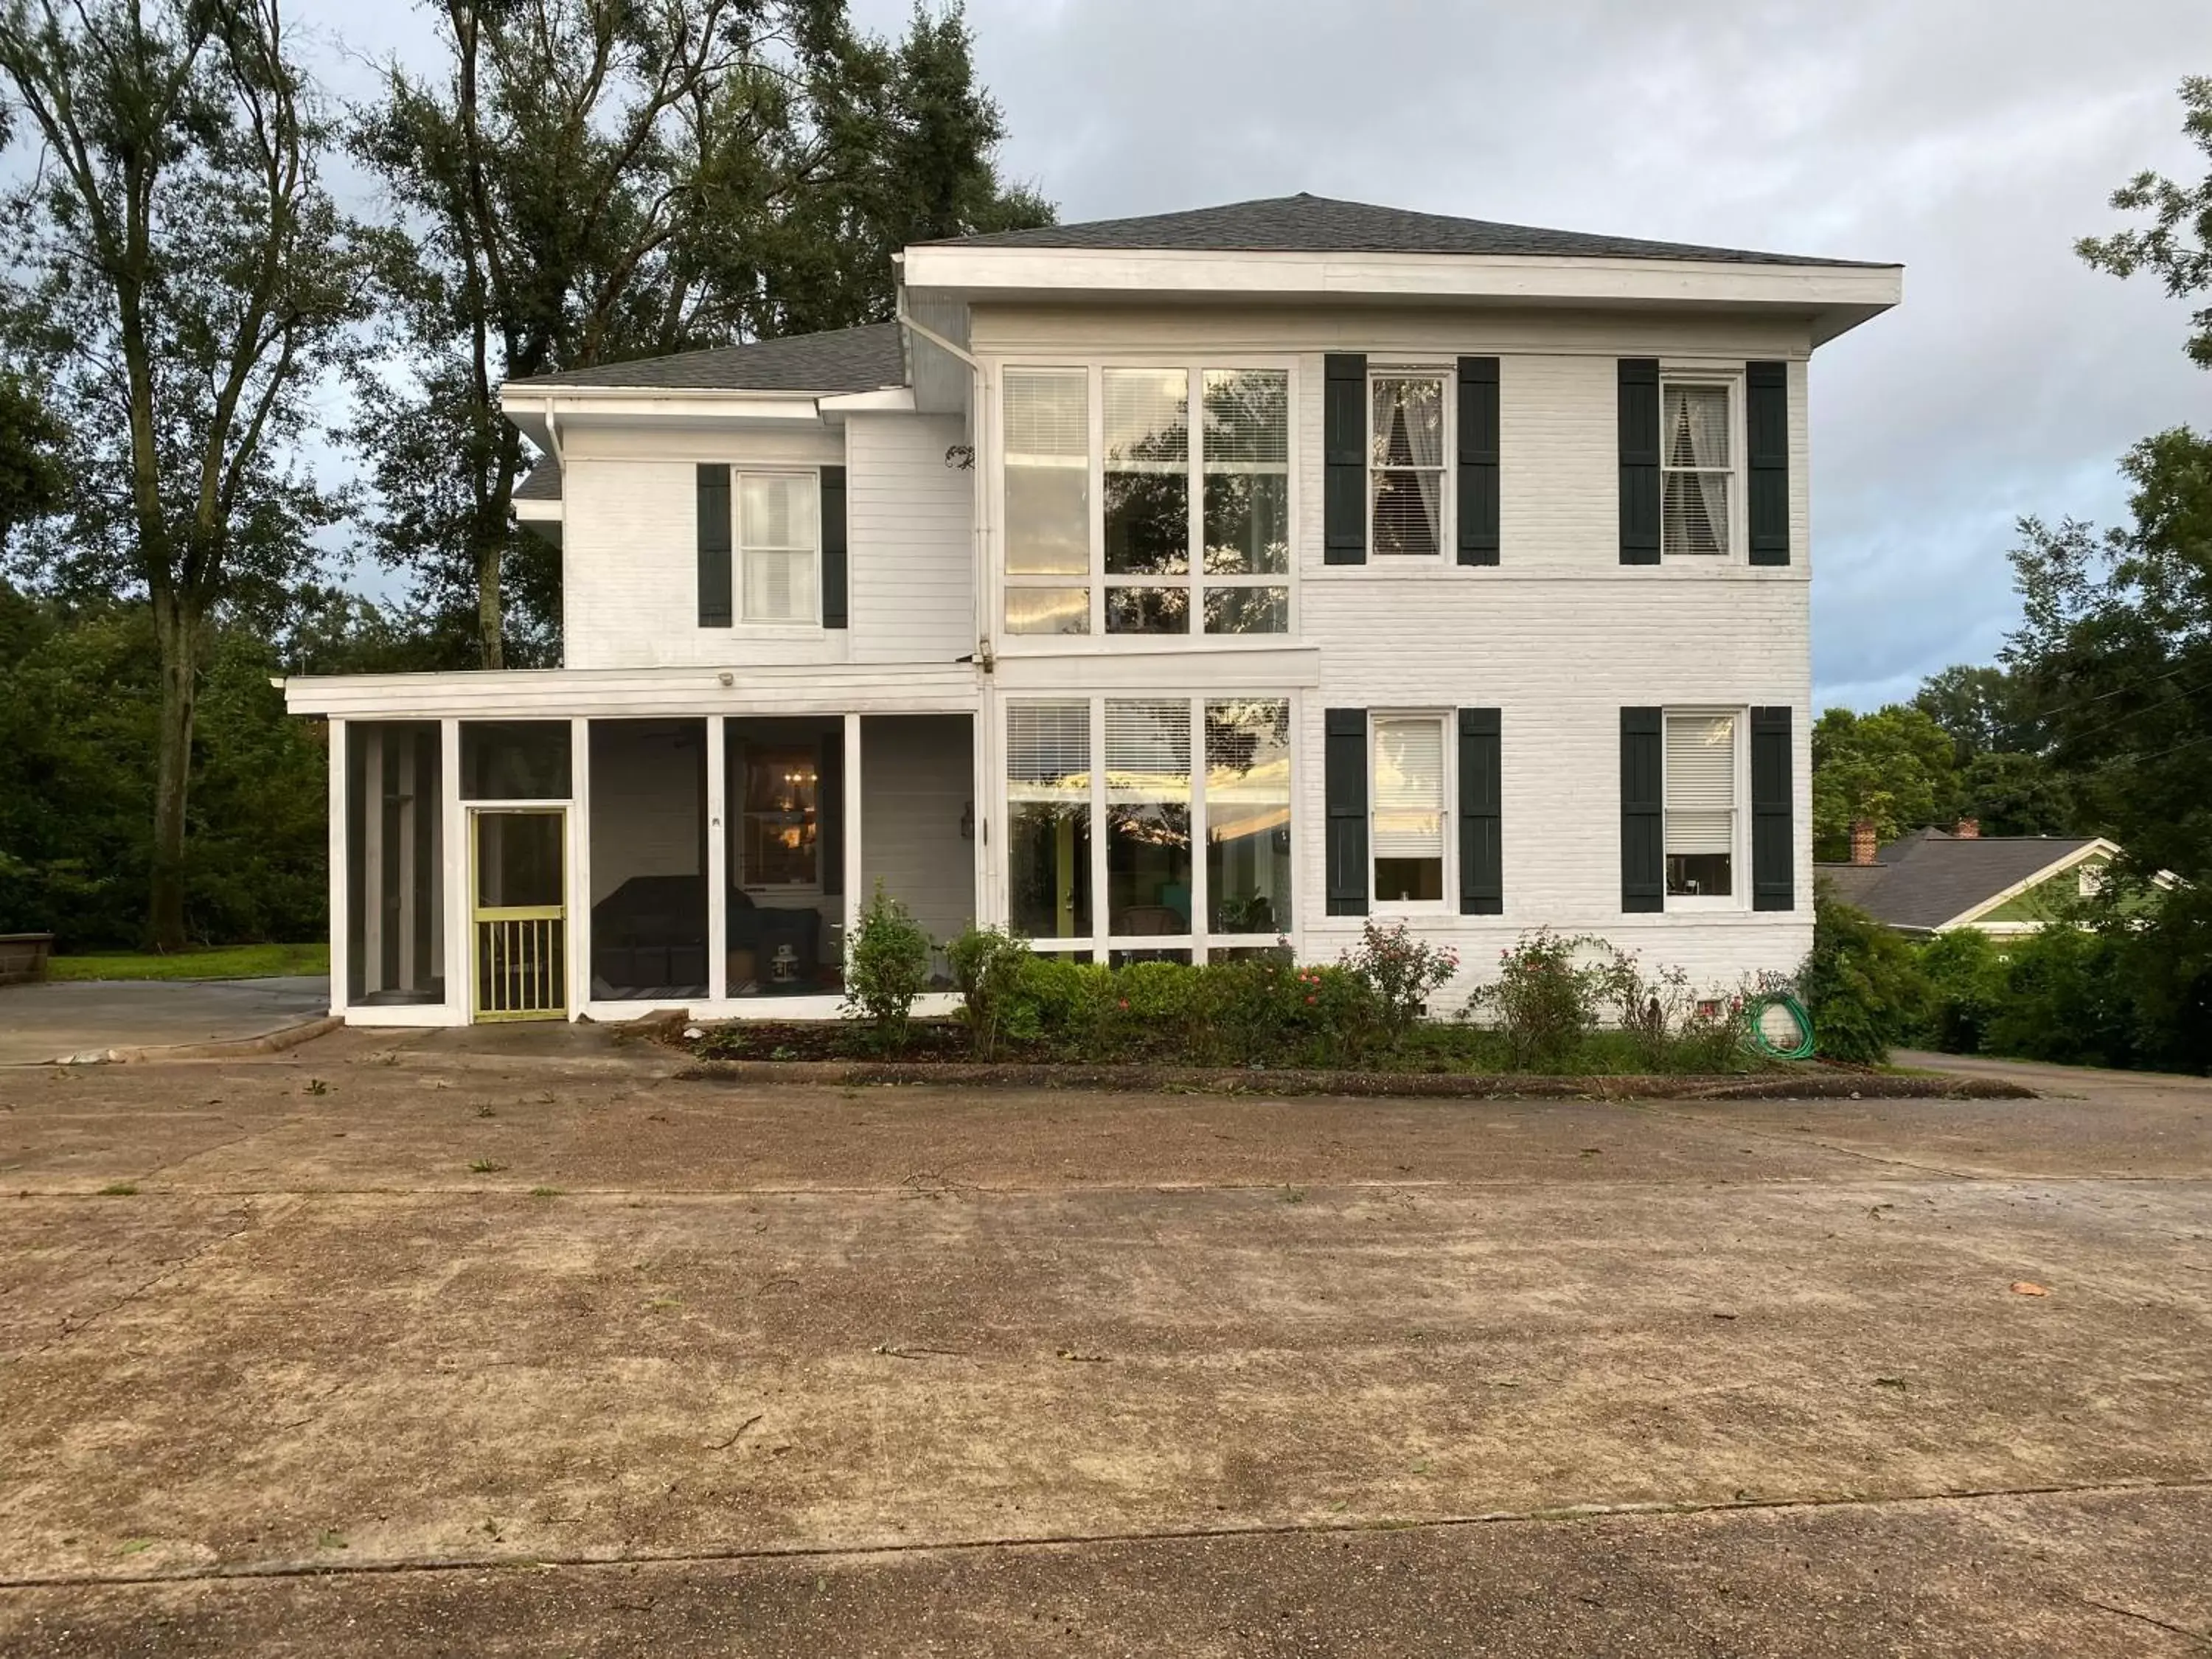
<point x="1201" y="913"/>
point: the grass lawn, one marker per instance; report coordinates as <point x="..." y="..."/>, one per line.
<point x="214" y="961"/>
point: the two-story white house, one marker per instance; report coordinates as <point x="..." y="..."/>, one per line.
<point x="1165" y="586"/>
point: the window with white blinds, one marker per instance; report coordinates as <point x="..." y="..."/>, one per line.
<point x="1048" y="751"/>
<point x="1147" y="749"/>
<point x="1407" y="810"/>
<point x="1696" y="465"/>
<point x="777" y="536"/>
<point x="1048" y="814"/>
<point x="1700" y="760"/>
<point x="1046" y="416"/>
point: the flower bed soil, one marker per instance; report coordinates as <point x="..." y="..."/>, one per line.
<point x="938" y="1052"/>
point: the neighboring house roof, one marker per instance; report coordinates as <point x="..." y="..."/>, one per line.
<point x="1931" y="879"/>
<point x="863" y="359"/>
<point x="1317" y="224"/>
<point x="544" y="483"/>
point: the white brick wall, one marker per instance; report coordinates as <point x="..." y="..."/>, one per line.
<point x="1559" y="636"/>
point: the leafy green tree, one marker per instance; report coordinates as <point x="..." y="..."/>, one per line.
<point x="183" y="281"/>
<point x="587" y="181"/>
<point x="2177" y="246"/>
<point x="1981" y="706"/>
<point x="33" y="483"/>
<point x="2011" y="794"/>
<point x="1893" y="767"/>
<point x="2116" y="646"/>
<point x="79" y="698"/>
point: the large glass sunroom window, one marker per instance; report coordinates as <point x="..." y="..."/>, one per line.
<point x="1177" y="774"/>
<point x="1191" y="532"/>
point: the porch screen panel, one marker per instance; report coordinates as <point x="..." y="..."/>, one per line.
<point x="1248" y="815"/>
<point x="649" y="841"/>
<point x="785" y="819"/>
<point x="1148" y="852"/>
<point x="514" y="760"/>
<point x="395" y="864"/>
<point x="1048" y="818"/>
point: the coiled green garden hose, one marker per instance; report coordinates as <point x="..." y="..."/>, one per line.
<point x="1802" y="1048"/>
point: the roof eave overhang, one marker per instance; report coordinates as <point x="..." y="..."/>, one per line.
<point x="539" y="409"/>
<point x="1835" y="297"/>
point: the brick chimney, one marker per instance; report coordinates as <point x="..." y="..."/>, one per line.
<point x="1863" y="841"/>
<point x="1968" y="829"/>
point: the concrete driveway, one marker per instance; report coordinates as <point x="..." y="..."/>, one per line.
<point x="365" y="1351"/>
<point x="43" y="1023"/>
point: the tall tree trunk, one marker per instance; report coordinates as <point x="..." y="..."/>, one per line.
<point x="176" y="628"/>
<point x="490" y="619"/>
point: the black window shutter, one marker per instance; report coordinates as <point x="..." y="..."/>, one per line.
<point x="1344" y="459"/>
<point x="1639" y="460"/>
<point x="1773" y="853"/>
<point x="713" y="545"/>
<point x="1481" y="856"/>
<point x="835" y="611"/>
<point x="1766" y="452"/>
<point x="1478" y="460"/>
<point x="829" y="811"/>
<point x="1346" y="788"/>
<point x="1642" y="812"/>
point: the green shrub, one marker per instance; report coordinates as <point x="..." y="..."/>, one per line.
<point x="1402" y="969"/>
<point x="1649" y="1007"/>
<point x="2067" y="999"/>
<point x="1966" y="991"/>
<point x="886" y="968"/>
<point x="986" y="966"/>
<point x="1544" y="1002"/>
<point x="1861" y="984"/>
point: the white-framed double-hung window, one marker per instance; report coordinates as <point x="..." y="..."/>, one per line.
<point x="778" y="542"/>
<point x="1408" y="431"/>
<point x="1698" y="491"/>
<point x="1407" y="815"/>
<point x="1704" y="783"/>
<point x="1146" y="499"/>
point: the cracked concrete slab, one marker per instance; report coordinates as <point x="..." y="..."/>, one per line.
<point x="880" y="1361"/>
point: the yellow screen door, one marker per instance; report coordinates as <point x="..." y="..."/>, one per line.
<point x="517" y="874"/>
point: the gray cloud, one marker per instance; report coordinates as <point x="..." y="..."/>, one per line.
<point x="1974" y="141"/>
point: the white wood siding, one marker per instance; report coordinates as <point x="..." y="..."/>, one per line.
<point x="917" y="775"/>
<point x="630" y="552"/>
<point x="910" y="520"/>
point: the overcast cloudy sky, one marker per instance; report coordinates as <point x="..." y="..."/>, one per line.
<point x="1970" y="140"/>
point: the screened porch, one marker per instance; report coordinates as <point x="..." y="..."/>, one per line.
<point x="546" y="868"/>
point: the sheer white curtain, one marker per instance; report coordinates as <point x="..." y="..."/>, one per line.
<point x="1695" y="420"/>
<point x="1409" y="454"/>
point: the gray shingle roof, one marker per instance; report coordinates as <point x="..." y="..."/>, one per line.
<point x="1927" y="879"/>
<point x="1317" y="224"/>
<point x="863" y="359"/>
<point x="544" y="483"/>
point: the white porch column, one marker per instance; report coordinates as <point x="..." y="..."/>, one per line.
<point x="983" y="748"/>
<point x="579" y="897"/>
<point x="718" y="859"/>
<point x="340" y="877"/>
<point x="853" y="897"/>
<point x="460" y="937"/>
